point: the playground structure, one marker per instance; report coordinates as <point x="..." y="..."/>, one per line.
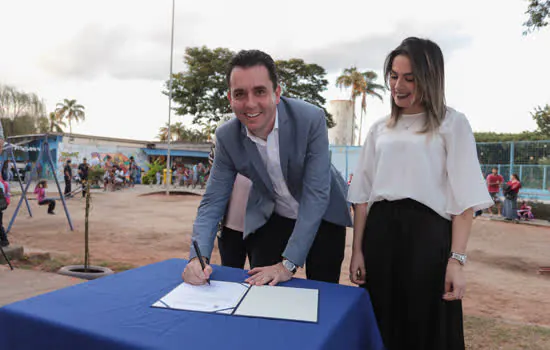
<point x="44" y="151"/>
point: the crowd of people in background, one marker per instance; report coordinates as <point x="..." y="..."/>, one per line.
<point x="185" y="175"/>
<point x="505" y="197"/>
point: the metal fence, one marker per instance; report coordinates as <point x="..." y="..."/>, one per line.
<point x="530" y="160"/>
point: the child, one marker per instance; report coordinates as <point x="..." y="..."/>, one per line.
<point x="40" y="191"/>
<point x="524" y="211"/>
<point x="6" y="190"/>
<point x="158" y="177"/>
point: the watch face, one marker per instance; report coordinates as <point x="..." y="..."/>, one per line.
<point x="289" y="266"/>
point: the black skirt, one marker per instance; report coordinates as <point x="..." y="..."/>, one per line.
<point x="406" y="247"/>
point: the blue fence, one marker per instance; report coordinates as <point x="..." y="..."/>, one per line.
<point x="530" y="160"/>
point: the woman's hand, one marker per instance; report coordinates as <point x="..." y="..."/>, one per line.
<point x="357" y="271"/>
<point x="455" y="281"/>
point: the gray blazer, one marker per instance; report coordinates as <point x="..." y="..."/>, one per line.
<point x="319" y="189"/>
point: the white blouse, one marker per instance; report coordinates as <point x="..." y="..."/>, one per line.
<point x="440" y="170"/>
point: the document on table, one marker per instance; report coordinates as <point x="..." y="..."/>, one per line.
<point x="219" y="296"/>
<point x="241" y="299"/>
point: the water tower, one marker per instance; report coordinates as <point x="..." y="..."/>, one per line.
<point x="342" y="114"/>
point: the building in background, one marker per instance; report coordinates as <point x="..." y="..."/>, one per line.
<point x="97" y="148"/>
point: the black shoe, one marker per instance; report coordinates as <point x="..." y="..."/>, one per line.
<point x="4" y="243"/>
<point x="51" y="213"/>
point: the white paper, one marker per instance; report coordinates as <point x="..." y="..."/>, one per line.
<point x="219" y="296"/>
<point x="285" y="303"/>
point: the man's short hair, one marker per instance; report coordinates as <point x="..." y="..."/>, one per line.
<point x="251" y="58"/>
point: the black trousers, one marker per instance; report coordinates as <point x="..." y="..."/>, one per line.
<point x="84" y="182"/>
<point x="232" y="248"/>
<point x="3" y="236"/>
<point x="67" y="186"/>
<point x="50" y="203"/>
<point x="265" y="247"/>
<point x="406" y="247"/>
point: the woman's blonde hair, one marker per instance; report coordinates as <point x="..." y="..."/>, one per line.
<point x="429" y="76"/>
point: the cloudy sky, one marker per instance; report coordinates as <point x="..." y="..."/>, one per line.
<point x="113" y="55"/>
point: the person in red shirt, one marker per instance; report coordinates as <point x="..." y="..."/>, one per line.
<point x="494" y="182"/>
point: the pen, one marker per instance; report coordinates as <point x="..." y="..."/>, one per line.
<point x="199" y="255"/>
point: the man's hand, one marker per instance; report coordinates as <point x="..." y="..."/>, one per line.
<point x="270" y="274"/>
<point x="194" y="274"/>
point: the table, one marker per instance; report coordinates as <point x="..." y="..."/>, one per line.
<point x="114" y="312"/>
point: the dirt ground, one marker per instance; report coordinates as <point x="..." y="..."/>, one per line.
<point x="130" y="227"/>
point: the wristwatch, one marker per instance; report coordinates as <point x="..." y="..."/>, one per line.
<point x="289" y="266"/>
<point x="461" y="258"/>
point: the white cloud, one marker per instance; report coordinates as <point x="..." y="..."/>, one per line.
<point x="113" y="56"/>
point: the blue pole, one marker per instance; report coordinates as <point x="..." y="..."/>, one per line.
<point x="49" y="158"/>
<point x="544" y="169"/>
<point x="521" y="172"/>
<point x="19" y="180"/>
<point x="347" y="176"/>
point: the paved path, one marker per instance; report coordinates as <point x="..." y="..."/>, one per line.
<point x="21" y="284"/>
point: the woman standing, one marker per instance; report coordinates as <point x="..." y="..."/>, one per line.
<point x="511" y="190"/>
<point x="419" y="180"/>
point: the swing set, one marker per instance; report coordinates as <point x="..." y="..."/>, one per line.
<point x="44" y="152"/>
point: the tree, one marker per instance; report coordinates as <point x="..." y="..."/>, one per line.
<point x="20" y="112"/>
<point x="539" y="13"/>
<point x="304" y="81"/>
<point x="163" y="133"/>
<point x="370" y="89"/>
<point x="179" y="133"/>
<point x="542" y="116"/>
<point x="71" y="111"/>
<point x="21" y="125"/>
<point x="43" y="125"/>
<point x="360" y="84"/>
<point x="507" y="137"/>
<point x="201" y="90"/>
<point x="56" y="123"/>
<point x="15" y="103"/>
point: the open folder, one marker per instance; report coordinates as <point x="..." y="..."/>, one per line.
<point x="242" y="299"/>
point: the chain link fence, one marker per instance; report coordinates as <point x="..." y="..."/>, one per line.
<point x="530" y="160"/>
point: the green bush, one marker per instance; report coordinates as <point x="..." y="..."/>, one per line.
<point x="150" y="177"/>
<point x="95" y="175"/>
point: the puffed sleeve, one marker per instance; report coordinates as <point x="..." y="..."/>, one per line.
<point x="465" y="184"/>
<point x="361" y="184"/>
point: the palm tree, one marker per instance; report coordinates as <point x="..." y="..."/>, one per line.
<point x="56" y="123"/>
<point x="369" y="89"/>
<point x="163" y="133"/>
<point x="353" y="79"/>
<point x="70" y="110"/>
<point x="178" y="130"/>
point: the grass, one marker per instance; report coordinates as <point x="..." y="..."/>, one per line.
<point x="44" y="262"/>
<point x="492" y="334"/>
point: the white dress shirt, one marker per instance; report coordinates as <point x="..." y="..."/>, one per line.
<point x="285" y="204"/>
<point x="441" y="170"/>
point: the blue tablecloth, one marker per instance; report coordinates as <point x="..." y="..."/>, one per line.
<point x="114" y="312"/>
